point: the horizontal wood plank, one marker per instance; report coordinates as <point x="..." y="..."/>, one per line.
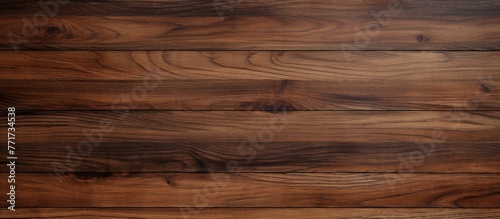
<point x="251" y="33"/>
<point x="250" y="80"/>
<point x="324" y="126"/>
<point x="411" y="8"/>
<point x="308" y="156"/>
<point x="391" y="93"/>
<point x="254" y="65"/>
<point x="252" y="213"/>
<point x="257" y="190"/>
<point x="326" y="141"/>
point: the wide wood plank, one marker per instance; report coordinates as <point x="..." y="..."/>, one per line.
<point x="255" y="65"/>
<point x="326" y="141"/>
<point x="251" y="33"/>
<point x="250" y="80"/>
<point x="257" y="190"/>
<point x="252" y="213"/>
<point x="411" y="8"/>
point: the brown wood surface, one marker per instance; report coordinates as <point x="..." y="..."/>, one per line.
<point x="255" y="213"/>
<point x="250" y="80"/>
<point x="325" y="126"/>
<point x="253" y="33"/>
<point x="247" y="65"/>
<point x="412" y="8"/>
<point x="473" y="92"/>
<point x="326" y="141"/>
<point x="252" y="108"/>
<point x="264" y="25"/>
<point x="258" y="190"/>
<point x="308" y="156"/>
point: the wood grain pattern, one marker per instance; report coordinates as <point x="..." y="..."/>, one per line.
<point x="308" y="156"/>
<point x="251" y="65"/>
<point x="324" y="126"/>
<point x="250" y="80"/>
<point x="253" y="33"/>
<point x="258" y="190"/>
<point x="323" y="141"/>
<point x="255" y="213"/>
<point x="252" y="109"/>
<point x="416" y="93"/>
<point x="412" y="8"/>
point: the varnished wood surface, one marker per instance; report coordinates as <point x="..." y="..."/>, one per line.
<point x="252" y="33"/>
<point x="262" y="25"/>
<point x="253" y="109"/>
<point x="254" y="213"/>
<point x="308" y="156"/>
<point x="248" y="65"/>
<point x="326" y="126"/>
<point x="297" y="80"/>
<point x="350" y="141"/>
<point x="391" y="93"/>
<point x="258" y="190"/>
<point x="183" y="8"/>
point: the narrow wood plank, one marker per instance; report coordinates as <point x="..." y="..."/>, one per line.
<point x="308" y="156"/>
<point x="326" y="141"/>
<point x="256" y="65"/>
<point x="257" y="190"/>
<point x="252" y="33"/>
<point x="324" y="126"/>
<point x="253" y="213"/>
<point x="411" y="8"/>
<point x="391" y="93"/>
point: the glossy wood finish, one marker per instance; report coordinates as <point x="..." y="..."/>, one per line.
<point x="253" y="109"/>
<point x="316" y="66"/>
<point x="250" y="80"/>
<point x="254" y="33"/>
<point x="258" y="25"/>
<point x="260" y="141"/>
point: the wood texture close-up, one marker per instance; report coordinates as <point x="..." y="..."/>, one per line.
<point x="262" y="25"/>
<point x="251" y="109"/>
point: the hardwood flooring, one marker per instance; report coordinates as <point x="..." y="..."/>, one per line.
<point x="251" y="109"/>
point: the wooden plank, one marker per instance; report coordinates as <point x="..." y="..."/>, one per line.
<point x="256" y="190"/>
<point x="250" y="80"/>
<point x="254" y="213"/>
<point x="236" y="126"/>
<point x="390" y="93"/>
<point x="306" y="156"/>
<point x="255" y="65"/>
<point x="326" y="141"/>
<point x="411" y="8"/>
<point x="252" y="33"/>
